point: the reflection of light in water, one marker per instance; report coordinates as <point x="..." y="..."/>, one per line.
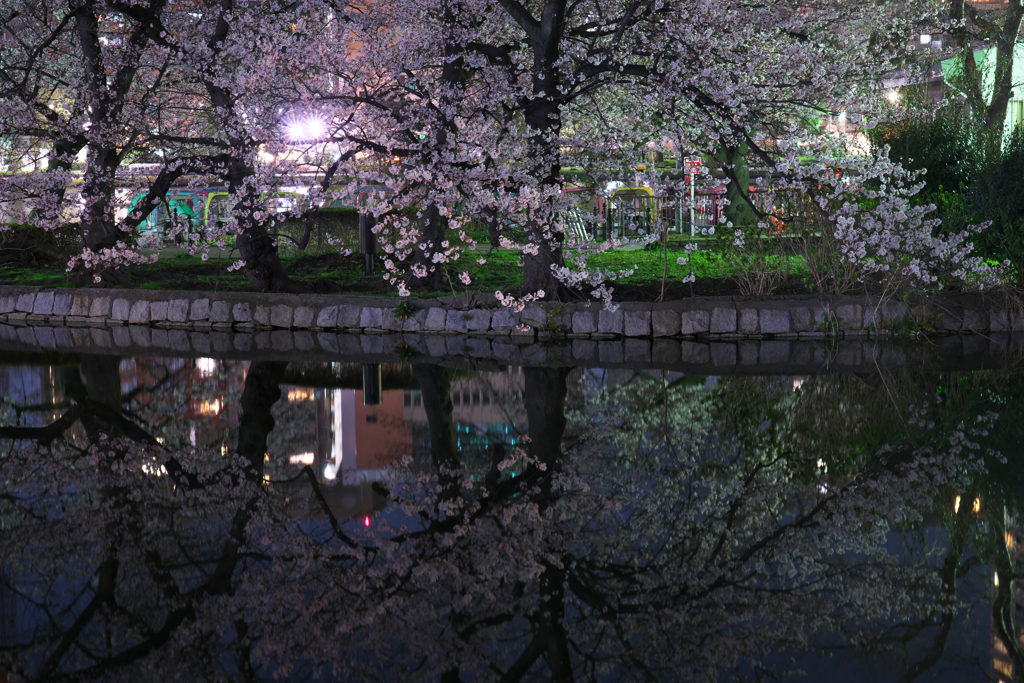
<point x="302" y="459"/>
<point x="206" y="366"/>
<point x="154" y="470"/>
<point x="295" y="395"/>
<point x="192" y="435"/>
<point x="343" y="424"/>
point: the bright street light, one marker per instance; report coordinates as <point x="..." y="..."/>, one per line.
<point x="306" y="130"/>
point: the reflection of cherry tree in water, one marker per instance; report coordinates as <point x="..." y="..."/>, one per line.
<point x="686" y="532"/>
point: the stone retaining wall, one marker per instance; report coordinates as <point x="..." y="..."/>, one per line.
<point x="799" y="317"/>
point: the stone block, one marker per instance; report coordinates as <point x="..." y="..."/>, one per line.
<point x="665" y="352"/>
<point x="100" y="307"/>
<point x="200" y="310"/>
<point x="158" y="311"/>
<point x="584" y="322"/>
<point x="774" y="351"/>
<point x="774" y="321"/>
<point x="479" y="320"/>
<point x="27" y="336"/>
<point x="975" y="320"/>
<point x="435" y="320"/>
<point x="138" y="314"/>
<point x="140" y="335"/>
<point x="998" y="321"/>
<point x="800" y="319"/>
<point x="302" y="317"/>
<point x="851" y="316"/>
<point x="61" y="303"/>
<point x="665" y="323"/>
<point x="328" y="317"/>
<point x="694" y="353"/>
<point x="723" y="321"/>
<point x="241" y="313"/>
<point x="723" y="354"/>
<point x="610" y="351"/>
<point x="584" y="349"/>
<point x="504" y="320"/>
<point x="121" y="309"/>
<point x="1017" y="321"/>
<point x="26" y="302"/>
<point x="220" y="312"/>
<point x="952" y="320"/>
<point x="371" y="317"/>
<point x="747" y="321"/>
<point x="177" y="310"/>
<point x="7" y="303"/>
<point x="44" y="304"/>
<point x="303" y="340"/>
<point x="894" y="312"/>
<point x="349" y="315"/>
<point x="456" y="320"/>
<point x="79" y="305"/>
<point x="261" y="316"/>
<point x="280" y="316"/>
<point x="610" y="322"/>
<point x="698" y="322"/>
<point x="281" y="340"/>
<point x="636" y="323"/>
<point x="391" y="322"/>
<point x="534" y="315"/>
<point x="201" y="342"/>
<point x="414" y="323"/>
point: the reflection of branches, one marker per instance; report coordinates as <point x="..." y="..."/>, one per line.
<point x="83" y="409"/>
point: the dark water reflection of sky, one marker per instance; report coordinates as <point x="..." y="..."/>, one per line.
<point x="202" y="519"/>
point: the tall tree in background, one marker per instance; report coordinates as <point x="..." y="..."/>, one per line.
<point x="1001" y="28"/>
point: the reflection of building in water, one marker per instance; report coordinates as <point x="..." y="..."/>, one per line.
<point x="34" y="392"/>
<point x="487" y="408"/>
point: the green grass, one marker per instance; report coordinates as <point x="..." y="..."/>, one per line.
<point x="502" y="271"/>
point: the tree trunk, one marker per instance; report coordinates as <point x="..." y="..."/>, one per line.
<point x="544" y="117"/>
<point x="432" y="231"/>
<point x="738" y="211"/>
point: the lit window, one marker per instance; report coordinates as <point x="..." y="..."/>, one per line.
<point x="926" y="38"/>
